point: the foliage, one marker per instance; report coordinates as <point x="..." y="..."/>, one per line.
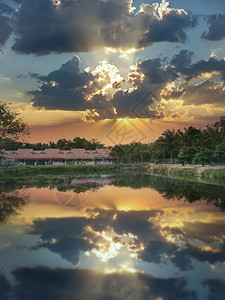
<point x="186" y="155"/>
<point x="43" y="173"/>
<point x="170" y="141"/>
<point x="192" y="145"/>
<point x="134" y="152"/>
<point x="186" y="172"/>
<point x="11" y="127"/>
<point x="187" y="146"/>
<point x="203" y="157"/>
<point x="63" y="144"/>
<point x="9" y="205"/>
<point x="219" y="151"/>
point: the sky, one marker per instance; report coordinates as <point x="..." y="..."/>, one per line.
<point x="118" y="71"/>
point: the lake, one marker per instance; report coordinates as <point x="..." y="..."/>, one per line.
<point x="113" y="237"/>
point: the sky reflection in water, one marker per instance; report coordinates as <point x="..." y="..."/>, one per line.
<point x="130" y="237"/>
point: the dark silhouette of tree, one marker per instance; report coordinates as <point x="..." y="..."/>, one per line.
<point x="10" y="204"/>
<point x="11" y="126"/>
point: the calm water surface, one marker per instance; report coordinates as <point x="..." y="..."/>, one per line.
<point x="104" y="237"/>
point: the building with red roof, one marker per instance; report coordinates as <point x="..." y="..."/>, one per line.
<point x="57" y="156"/>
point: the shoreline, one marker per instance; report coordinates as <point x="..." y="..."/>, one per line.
<point x="42" y="173"/>
<point x="48" y="173"/>
<point x="217" y="172"/>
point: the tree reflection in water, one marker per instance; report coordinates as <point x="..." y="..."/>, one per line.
<point x="10" y="204"/>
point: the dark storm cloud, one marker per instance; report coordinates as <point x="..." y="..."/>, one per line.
<point x="5" y="23"/>
<point x="207" y="92"/>
<point x="140" y="225"/>
<point x="5" y="9"/>
<point x="137" y="223"/>
<point x="55" y="97"/>
<point x="146" y="93"/>
<point x="125" y="102"/>
<point x="170" y="29"/>
<point x="5" y="30"/>
<point x="156" y="249"/>
<point x="69" y="234"/>
<point x="69" y="76"/>
<point x="69" y="243"/>
<point x="44" y="283"/>
<point x="41" y="27"/>
<point x="5" y="287"/>
<point x="216" y="31"/>
<point x="205" y="232"/>
<point x="183" y="258"/>
<point x="68" y="89"/>
<point x="155" y="72"/>
<point x="183" y="64"/>
<point x="69" y="248"/>
<point x="216" y="289"/>
<point x="64" y="88"/>
<point x="182" y="61"/>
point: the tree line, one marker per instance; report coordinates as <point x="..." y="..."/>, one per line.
<point x="190" y="145"/>
<point x="62" y="144"/>
<point x="13" y="129"/>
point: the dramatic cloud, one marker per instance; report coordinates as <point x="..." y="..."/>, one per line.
<point x="5" y="27"/>
<point x="210" y="243"/>
<point x="146" y="239"/>
<point x="5" y="287"/>
<point x="216" y="30"/>
<point x="155" y="72"/>
<point x="207" y="92"/>
<point x="45" y="26"/>
<point x="216" y="289"/>
<point x="183" y="257"/>
<point x="183" y="64"/>
<point x="155" y="250"/>
<point x="64" y="88"/>
<point x="68" y="243"/>
<point x="171" y="28"/>
<point x="182" y="61"/>
<point x="207" y="232"/>
<point x="103" y="92"/>
<point x="4" y="8"/>
<point x="209" y="87"/>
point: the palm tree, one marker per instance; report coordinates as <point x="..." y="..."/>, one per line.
<point x="212" y="136"/>
<point x="171" y="141"/>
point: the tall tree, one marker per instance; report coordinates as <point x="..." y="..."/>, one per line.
<point x="171" y="140"/>
<point x="11" y="126"/>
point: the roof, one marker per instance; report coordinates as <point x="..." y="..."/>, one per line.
<point x="56" y="154"/>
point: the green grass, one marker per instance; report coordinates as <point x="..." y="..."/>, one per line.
<point x="188" y="172"/>
<point x="207" y="173"/>
<point x="219" y="173"/>
<point x="42" y="173"/>
<point x="184" y="171"/>
<point x="160" y="170"/>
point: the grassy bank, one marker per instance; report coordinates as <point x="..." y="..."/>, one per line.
<point x="191" y="171"/>
<point x="41" y="173"/>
